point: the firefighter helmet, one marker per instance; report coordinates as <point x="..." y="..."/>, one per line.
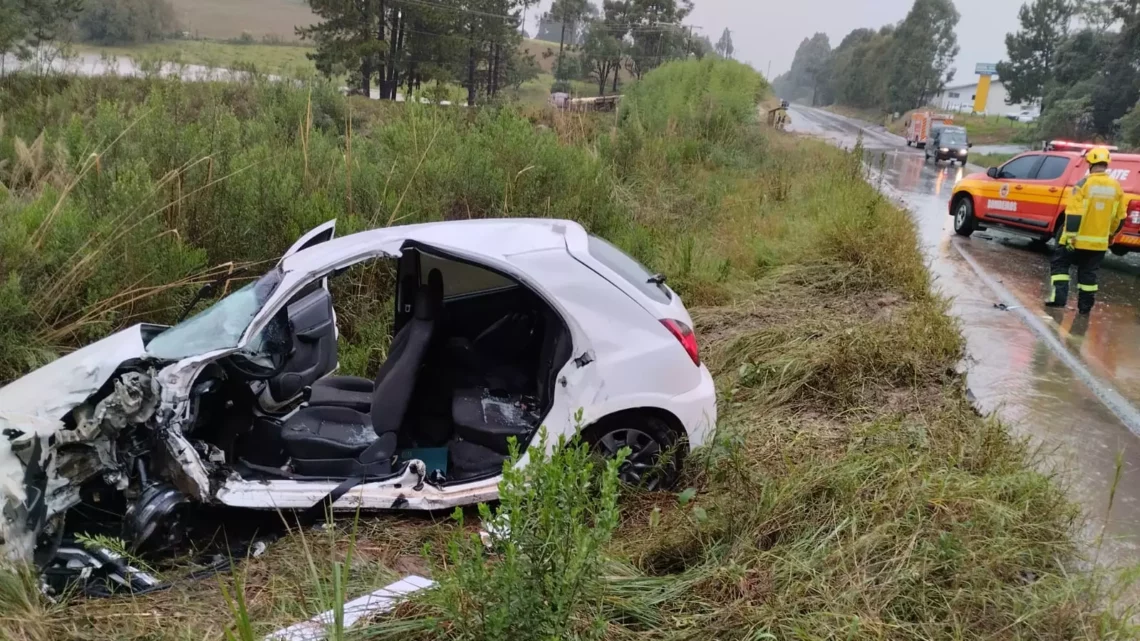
<point x="1098" y="155"/>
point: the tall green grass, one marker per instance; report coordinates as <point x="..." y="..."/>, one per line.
<point x="123" y="196"/>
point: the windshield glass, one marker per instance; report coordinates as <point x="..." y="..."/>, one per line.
<point x="952" y="138"/>
<point x="219" y="326"/>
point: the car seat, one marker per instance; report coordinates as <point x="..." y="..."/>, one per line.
<point x="489" y="417"/>
<point x="355" y="392"/>
<point x="335" y="441"/>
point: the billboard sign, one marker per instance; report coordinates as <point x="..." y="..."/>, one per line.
<point x="985" y="69"/>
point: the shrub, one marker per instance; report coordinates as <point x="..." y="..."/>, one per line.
<point x="540" y="575"/>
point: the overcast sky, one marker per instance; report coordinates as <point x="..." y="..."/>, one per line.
<point x="770" y="30"/>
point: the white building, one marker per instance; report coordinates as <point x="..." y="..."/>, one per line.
<point x="961" y="98"/>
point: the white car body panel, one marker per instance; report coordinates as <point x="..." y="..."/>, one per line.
<point x="398" y="493"/>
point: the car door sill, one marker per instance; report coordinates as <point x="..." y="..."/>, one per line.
<point x="1013" y="220"/>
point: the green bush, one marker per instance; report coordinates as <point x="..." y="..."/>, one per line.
<point x="1130" y="128"/>
<point x="539" y="575"/>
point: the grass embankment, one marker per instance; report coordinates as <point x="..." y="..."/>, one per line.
<point x="851" y="492"/>
<point x="230" y="19"/>
<point x="989" y="160"/>
<point x="277" y="59"/>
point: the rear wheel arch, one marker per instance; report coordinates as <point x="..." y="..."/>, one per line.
<point x="660" y="424"/>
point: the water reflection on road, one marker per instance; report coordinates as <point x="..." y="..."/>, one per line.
<point x="1011" y="371"/>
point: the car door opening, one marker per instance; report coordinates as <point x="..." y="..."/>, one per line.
<point x="472" y="364"/>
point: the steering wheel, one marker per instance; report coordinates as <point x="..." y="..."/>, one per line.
<point x="278" y="348"/>
<point x="239" y="364"/>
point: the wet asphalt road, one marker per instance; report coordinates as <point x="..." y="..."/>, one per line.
<point x="1020" y="374"/>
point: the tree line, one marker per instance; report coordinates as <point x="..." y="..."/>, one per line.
<point x="25" y="25"/>
<point x="475" y="43"/>
<point x="895" y="68"/>
<point x="1081" y="62"/>
<point x="396" y="45"/>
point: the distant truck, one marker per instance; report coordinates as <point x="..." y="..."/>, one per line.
<point x="922" y="124"/>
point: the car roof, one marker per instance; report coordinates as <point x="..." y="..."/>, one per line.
<point x="497" y="238"/>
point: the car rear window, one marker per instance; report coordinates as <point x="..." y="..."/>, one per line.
<point x="629" y="269"/>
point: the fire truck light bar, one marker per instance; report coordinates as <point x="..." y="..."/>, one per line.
<point x="1065" y="145"/>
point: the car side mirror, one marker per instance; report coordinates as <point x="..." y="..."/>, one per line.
<point x="992" y="172"/>
<point x="969" y="145"/>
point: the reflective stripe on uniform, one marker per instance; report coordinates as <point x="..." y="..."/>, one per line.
<point x="1057" y="278"/>
<point x="1093" y="243"/>
<point x="1088" y="288"/>
<point x="1103" y="190"/>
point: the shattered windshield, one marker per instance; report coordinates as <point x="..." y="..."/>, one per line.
<point x="219" y="326"/>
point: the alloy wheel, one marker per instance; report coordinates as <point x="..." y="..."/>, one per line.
<point x="643" y="466"/>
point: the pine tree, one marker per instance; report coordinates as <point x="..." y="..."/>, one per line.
<point x="1032" y="50"/>
<point x="724" y="46"/>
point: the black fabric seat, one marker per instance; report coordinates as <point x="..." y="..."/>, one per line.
<point x="491" y="358"/>
<point x="489" y="417"/>
<point x="328" y="433"/>
<point x="326" y="440"/>
<point x="353" y="392"/>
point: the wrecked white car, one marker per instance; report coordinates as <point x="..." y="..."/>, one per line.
<point x="499" y="326"/>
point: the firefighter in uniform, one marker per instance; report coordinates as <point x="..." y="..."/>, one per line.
<point x="1094" y="214"/>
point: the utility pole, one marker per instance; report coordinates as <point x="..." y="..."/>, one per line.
<point x="769" y="76"/>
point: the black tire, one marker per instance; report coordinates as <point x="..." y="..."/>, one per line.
<point x="1058" y="228"/>
<point x="649" y="437"/>
<point x="964" y="160"/>
<point x="964" y="221"/>
<point x="1119" y="251"/>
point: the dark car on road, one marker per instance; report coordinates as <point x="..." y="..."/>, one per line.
<point x="949" y="143"/>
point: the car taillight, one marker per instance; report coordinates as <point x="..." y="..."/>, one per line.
<point x="685" y="335"/>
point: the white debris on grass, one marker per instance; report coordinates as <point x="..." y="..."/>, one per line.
<point x="383" y="600"/>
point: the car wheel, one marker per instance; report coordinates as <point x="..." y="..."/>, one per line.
<point x="964" y="221"/>
<point x="1118" y="251"/>
<point x="656" y="455"/>
<point x="1058" y="228"/>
